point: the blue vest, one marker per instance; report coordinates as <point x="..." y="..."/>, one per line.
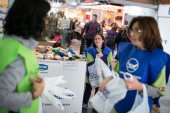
<point x="93" y="51"/>
<point x="168" y="69"/>
<point x="144" y="65"/>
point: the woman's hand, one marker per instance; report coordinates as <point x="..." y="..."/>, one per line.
<point x="99" y="55"/>
<point x="38" y="86"/>
<point x="133" y="84"/>
<point x="103" y="84"/>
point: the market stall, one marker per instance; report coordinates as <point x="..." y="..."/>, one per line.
<point x="57" y="61"/>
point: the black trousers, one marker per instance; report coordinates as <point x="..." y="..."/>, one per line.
<point x="89" y="42"/>
<point x="13" y="112"/>
<point x="87" y="93"/>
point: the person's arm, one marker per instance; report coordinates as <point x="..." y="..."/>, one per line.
<point x="85" y="29"/>
<point x="82" y="32"/>
<point x="160" y="83"/>
<point x="119" y="37"/>
<point x="9" y="79"/>
<point x="152" y="91"/>
<point x="99" y="29"/>
<point x="157" y="89"/>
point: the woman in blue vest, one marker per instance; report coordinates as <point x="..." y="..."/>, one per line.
<point x="145" y="59"/>
<point x="20" y="83"/>
<point x="100" y="50"/>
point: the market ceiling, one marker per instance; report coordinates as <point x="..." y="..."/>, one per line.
<point x="152" y="1"/>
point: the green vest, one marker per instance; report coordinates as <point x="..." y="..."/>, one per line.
<point x="9" y="51"/>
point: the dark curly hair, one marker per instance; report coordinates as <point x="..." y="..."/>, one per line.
<point x="26" y="18"/>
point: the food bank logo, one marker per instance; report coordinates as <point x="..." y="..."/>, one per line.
<point x="43" y="67"/>
<point x="132" y="65"/>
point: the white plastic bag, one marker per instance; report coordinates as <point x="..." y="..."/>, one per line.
<point x="98" y="102"/>
<point x="106" y="72"/>
<point x="117" y="90"/>
<point x="93" y="76"/>
<point x="53" y="93"/>
<point x="114" y="91"/>
<point x="62" y="93"/>
<point x="141" y="105"/>
<point x="98" y="71"/>
<point x="49" y="97"/>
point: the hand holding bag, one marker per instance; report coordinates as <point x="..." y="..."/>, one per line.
<point x="141" y="105"/>
<point x="98" y="71"/>
<point x="114" y="91"/>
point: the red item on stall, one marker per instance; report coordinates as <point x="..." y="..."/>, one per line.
<point x="57" y="38"/>
<point x="87" y="17"/>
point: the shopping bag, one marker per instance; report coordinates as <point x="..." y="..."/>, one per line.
<point x="117" y="91"/>
<point x="141" y="105"/>
<point x="53" y="93"/>
<point x="49" y="97"/>
<point x="98" y="102"/>
<point x="62" y="93"/>
<point x="98" y="71"/>
<point x="114" y="91"/>
<point x="50" y="82"/>
<point x="93" y="76"/>
<point x="105" y="71"/>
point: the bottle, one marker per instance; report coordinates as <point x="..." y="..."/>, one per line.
<point x="70" y="56"/>
<point x="71" y="50"/>
<point x="56" y="51"/>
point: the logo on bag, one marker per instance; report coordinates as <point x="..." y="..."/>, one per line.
<point x="43" y="67"/>
<point x="132" y="65"/>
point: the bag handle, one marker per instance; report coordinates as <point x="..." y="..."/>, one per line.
<point x="115" y="75"/>
<point x="145" y="94"/>
<point x="128" y="76"/>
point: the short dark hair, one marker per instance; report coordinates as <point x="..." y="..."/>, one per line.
<point x="114" y="23"/>
<point x="95" y="15"/>
<point x="26" y="18"/>
<point x="103" y="38"/>
<point x="150" y="32"/>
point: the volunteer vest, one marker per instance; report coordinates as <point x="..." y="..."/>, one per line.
<point x="93" y="52"/>
<point x="144" y="65"/>
<point x="9" y="51"/>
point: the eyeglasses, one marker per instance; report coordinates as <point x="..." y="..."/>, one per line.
<point x="135" y="30"/>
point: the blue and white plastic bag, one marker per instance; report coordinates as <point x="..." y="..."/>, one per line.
<point x="98" y="71"/>
<point x="114" y="91"/>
